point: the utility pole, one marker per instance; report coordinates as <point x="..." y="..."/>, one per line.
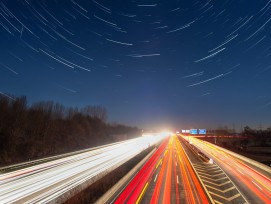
<point x="215" y="139"/>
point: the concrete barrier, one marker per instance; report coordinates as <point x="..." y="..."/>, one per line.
<point x="200" y="154"/>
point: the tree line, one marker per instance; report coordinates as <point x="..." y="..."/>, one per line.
<point x="257" y="137"/>
<point x="46" y="128"/>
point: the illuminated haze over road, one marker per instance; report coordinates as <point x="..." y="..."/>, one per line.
<point x="194" y="63"/>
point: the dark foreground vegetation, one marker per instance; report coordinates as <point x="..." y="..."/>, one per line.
<point x="29" y="132"/>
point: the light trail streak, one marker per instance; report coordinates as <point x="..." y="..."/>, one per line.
<point x="207" y="80"/>
<point x="118" y="42"/>
<point x="194" y="193"/>
<point x="7" y="96"/>
<point x="47" y="181"/>
<point x="55" y="58"/>
<point x="132" y="191"/>
<point x="167" y="189"/>
<point x="258" y="183"/>
<point x="166" y="186"/>
<point x="187" y="187"/>
<point x="227" y="41"/>
<point x="211" y="55"/>
<point x="158" y="186"/>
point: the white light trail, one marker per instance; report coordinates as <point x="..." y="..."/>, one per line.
<point x="44" y="182"/>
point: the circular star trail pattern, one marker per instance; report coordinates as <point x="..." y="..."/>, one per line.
<point x="152" y="64"/>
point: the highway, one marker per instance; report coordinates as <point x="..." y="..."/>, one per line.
<point x="179" y="170"/>
<point x="48" y="181"/>
<point x="167" y="177"/>
<point x="251" y="180"/>
<point x="193" y="171"/>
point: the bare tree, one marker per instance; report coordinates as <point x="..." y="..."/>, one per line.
<point x="95" y="112"/>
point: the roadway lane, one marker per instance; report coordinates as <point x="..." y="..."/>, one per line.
<point x="134" y="191"/>
<point x="220" y="188"/>
<point x="167" y="177"/>
<point x="252" y="184"/>
<point x="195" y="193"/>
<point x="48" y="181"/>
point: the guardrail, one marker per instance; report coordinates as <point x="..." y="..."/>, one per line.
<point x="58" y="180"/>
<point x="196" y="151"/>
<point x="13" y="167"/>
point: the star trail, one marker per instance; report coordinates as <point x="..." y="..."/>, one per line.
<point x="151" y="63"/>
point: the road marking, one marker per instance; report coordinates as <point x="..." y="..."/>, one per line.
<point x="214" y="186"/>
<point x="214" y="179"/>
<point x="141" y="194"/>
<point x="217" y="170"/>
<point x="155" y="178"/>
<point x="222" y="184"/>
<point x="228" y="199"/>
<point x="222" y="173"/>
<point x="218" y="202"/>
<point x="224" y="191"/>
<point x="207" y="192"/>
<point x="213" y="172"/>
<point x="160" y="161"/>
<point x="200" y="169"/>
<point x="205" y="167"/>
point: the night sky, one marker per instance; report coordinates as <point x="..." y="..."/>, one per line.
<point x="152" y="64"/>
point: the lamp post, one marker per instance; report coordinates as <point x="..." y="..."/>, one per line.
<point x="215" y="139"/>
